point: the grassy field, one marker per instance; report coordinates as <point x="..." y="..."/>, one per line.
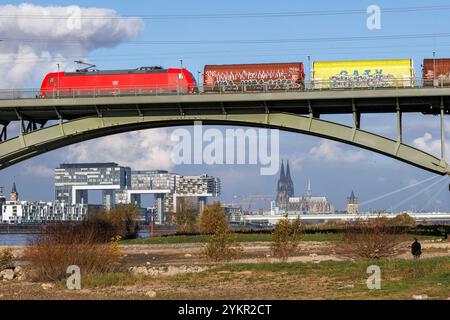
<point x="240" y="237"/>
<point x="400" y="279"/>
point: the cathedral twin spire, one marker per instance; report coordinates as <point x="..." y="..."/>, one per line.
<point x="285" y="186"/>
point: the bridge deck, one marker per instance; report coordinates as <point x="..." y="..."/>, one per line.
<point x="423" y="100"/>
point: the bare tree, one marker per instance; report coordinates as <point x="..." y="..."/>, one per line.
<point x="186" y="215"/>
<point x="374" y="239"/>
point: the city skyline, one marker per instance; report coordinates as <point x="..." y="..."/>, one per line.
<point x="328" y="163"/>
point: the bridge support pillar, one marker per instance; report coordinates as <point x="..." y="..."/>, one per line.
<point x="443" y="155"/>
<point x="399" y="124"/>
<point x="3" y="133"/>
<point x="356" y="116"/>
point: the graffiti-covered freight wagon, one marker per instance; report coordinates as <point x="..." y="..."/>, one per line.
<point x="363" y="74"/>
<point x="436" y="72"/>
<point x="254" y="77"/>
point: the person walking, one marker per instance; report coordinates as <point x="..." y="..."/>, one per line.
<point x="416" y="249"/>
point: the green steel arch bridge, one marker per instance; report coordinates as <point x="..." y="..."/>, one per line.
<point x="50" y="123"/>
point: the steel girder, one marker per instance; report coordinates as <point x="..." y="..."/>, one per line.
<point x="28" y="145"/>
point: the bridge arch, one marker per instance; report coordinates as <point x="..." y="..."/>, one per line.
<point x="28" y="145"/>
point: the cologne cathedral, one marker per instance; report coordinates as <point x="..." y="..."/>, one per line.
<point x="305" y="204"/>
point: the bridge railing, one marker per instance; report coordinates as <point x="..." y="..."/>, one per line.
<point x="337" y="84"/>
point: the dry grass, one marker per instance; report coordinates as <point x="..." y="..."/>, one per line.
<point x="6" y="259"/>
<point x="375" y="239"/>
<point x="61" y="246"/>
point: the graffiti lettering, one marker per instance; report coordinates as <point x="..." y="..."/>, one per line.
<point x="365" y="80"/>
<point x="248" y="80"/>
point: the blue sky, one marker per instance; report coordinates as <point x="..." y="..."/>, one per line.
<point x="334" y="175"/>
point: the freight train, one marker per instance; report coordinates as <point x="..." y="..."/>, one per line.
<point x="248" y="78"/>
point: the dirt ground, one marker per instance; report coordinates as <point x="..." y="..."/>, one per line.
<point x="244" y="284"/>
<point x="254" y="252"/>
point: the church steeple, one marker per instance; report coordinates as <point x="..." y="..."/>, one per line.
<point x="285" y="187"/>
<point x="288" y="172"/>
<point x="14" y="196"/>
<point x="282" y="174"/>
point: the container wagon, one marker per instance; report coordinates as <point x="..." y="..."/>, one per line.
<point x="436" y="72"/>
<point x="254" y="77"/>
<point x="363" y="74"/>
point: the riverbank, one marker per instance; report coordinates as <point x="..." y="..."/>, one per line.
<point x="180" y="271"/>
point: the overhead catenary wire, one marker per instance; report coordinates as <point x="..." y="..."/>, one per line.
<point x="434" y="197"/>
<point x="417" y="193"/>
<point x="397" y="191"/>
<point x="246" y="41"/>
<point x="241" y="15"/>
<point x="226" y="53"/>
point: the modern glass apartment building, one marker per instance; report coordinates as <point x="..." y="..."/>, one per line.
<point x="121" y="185"/>
<point x="73" y="181"/>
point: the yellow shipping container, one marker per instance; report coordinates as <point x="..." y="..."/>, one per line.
<point x="363" y="74"/>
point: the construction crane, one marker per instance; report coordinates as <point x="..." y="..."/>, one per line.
<point x="246" y="201"/>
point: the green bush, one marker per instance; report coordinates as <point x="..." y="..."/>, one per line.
<point x="221" y="246"/>
<point x="403" y="220"/>
<point x="287" y="236"/>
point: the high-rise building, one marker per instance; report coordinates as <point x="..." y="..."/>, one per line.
<point x="120" y="185"/>
<point x="352" y="204"/>
<point x="74" y="180"/>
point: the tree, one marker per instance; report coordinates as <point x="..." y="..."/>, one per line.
<point x="287" y="236"/>
<point x="403" y="220"/>
<point x="186" y="216"/>
<point x="120" y="221"/>
<point x="124" y="219"/>
<point x="212" y="219"/>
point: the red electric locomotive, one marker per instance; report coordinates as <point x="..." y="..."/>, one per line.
<point x="143" y="80"/>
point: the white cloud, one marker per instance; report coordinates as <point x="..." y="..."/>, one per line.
<point x="145" y="149"/>
<point x="36" y="38"/>
<point x="427" y="144"/>
<point x="37" y="171"/>
<point x="331" y="151"/>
